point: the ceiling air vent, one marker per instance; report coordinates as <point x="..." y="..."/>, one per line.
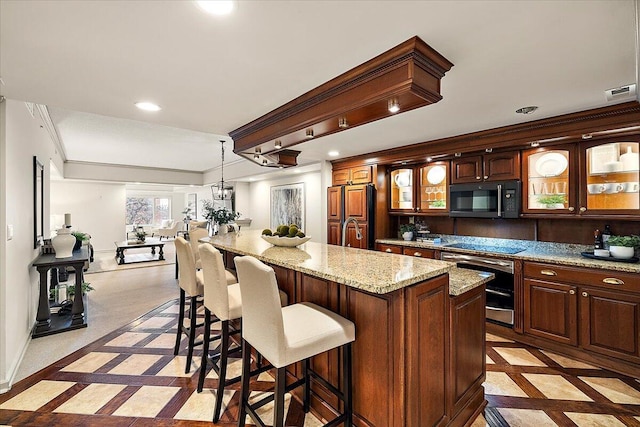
<point x="622" y="92"/>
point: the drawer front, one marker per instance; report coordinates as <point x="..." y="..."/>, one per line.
<point x="608" y="279"/>
<point x="419" y="252"/>
<point x="390" y="248"/>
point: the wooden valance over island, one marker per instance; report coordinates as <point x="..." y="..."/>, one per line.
<point x="419" y="354"/>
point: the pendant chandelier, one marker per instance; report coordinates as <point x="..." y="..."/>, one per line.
<point x="219" y="190"/>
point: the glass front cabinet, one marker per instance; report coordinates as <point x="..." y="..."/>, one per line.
<point x="421" y="190"/>
<point x="611" y="178"/>
<point x="596" y="178"/>
<point x="549" y="186"/>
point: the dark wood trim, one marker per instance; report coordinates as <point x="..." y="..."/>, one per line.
<point x="409" y="72"/>
<point x="598" y="122"/>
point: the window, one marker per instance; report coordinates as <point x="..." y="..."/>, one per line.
<point x="147" y="210"/>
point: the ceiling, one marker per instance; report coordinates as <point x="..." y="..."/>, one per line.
<point x="89" y="62"/>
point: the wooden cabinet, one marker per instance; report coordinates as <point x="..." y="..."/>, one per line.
<point x="352" y="240"/>
<point x="551" y="311"/>
<point x="610" y="177"/>
<point x="392" y="249"/>
<point x="344" y="202"/>
<point x="598" y="178"/>
<point x="487" y="167"/>
<point x="421" y="189"/>
<point x="596" y="310"/>
<point x="354" y="175"/>
<point x="549" y="180"/>
<point x="334" y="215"/>
<point x="420" y="252"/>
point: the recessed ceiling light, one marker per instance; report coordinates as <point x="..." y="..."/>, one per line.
<point x="217" y="7"/>
<point x="148" y="106"/>
<point x="535" y="144"/>
<point x="333" y="153"/>
<point x="278" y="144"/>
<point x="393" y="106"/>
<point x="527" y="110"/>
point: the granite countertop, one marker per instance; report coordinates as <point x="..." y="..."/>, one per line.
<point x="547" y="252"/>
<point x="371" y="271"/>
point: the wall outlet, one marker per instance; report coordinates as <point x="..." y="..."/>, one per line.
<point x="9" y="232"/>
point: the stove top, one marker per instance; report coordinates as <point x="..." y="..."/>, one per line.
<point x="487" y="248"/>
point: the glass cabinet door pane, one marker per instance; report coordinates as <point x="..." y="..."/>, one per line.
<point x="612" y="176"/>
<point x="433" y="188"/>
<point x="548" y="180"/>
<point x="402" y="189"/>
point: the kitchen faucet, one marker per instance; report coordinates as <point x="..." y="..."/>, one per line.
<point x="344" y="230"/>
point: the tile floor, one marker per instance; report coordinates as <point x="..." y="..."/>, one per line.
<point x="130" y="377"/>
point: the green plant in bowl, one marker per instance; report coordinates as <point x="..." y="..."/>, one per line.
<point x="438" y="204"/>
<point x="632" y="241"/>
<point x="553" y="201"/>
<point x="405" y="228"/>
<point x="80" y="237"/>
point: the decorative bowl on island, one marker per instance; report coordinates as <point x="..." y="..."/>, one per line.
<point x="286" y="241"/>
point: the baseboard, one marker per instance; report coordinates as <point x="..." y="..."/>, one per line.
<point x="6" y="383"/>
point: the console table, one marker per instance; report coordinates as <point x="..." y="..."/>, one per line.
<point x="45" y="324"/>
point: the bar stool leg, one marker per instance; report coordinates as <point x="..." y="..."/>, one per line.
<point x="176" y="349"/>
<point x="205" y="349"/>
<point x="347" y="384"/>
<point x="192" y="332"/>
<point x="222" y="376"/>
<point x="307" y="385"/>
<point x="244" y="389"/>
<point x="278" y="403"/>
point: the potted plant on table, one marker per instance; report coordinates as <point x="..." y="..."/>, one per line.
<point x="80" y="238"/>
<point x="408" y="231"/>
<point x="219" y="215"/>
<point x="623" y="247"/>
<point x="141" y="235"/>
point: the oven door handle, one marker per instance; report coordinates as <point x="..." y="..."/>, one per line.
<point x="494" y="292"/>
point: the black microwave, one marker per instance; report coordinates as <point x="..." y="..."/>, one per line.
<point x="485" y="200"/>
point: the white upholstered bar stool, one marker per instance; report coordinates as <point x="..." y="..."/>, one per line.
<point x="195" y="234"/>
<point x="225" y="303"/>
<point x="285" y="336"/>
<point x="191" y="283"/>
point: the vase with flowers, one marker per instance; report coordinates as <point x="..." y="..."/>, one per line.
<point x="219" y="215"/>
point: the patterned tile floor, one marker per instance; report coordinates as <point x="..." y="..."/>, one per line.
<point x="131" y="378"/>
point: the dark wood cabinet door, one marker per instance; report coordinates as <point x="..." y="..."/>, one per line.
<point x="391" y="249"/>
<point x="468" y="169"/>
<point x="352" y="240"/>
<point x="334" y="211"/>
<point x="361" y="175"/>
<point x="355" y="202"/>
<point x="334" y="233"/>
<point x="610" y="323"/>
<point x="419" y="252"/>
<point x="501" y="166"/>
<point x="550" y="311"/>
<point x="340" y="177"/>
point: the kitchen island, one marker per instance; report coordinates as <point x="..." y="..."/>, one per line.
<point x="419" y="354"/>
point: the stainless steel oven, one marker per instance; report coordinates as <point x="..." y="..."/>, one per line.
<point x="499" y="308"/>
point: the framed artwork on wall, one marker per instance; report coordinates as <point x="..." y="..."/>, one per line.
<point x="38" y="205"/>
<point x="287" y="205"/>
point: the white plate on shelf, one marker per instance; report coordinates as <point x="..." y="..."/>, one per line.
<point x="436" y="175"/>
<point x="551" y="164"/>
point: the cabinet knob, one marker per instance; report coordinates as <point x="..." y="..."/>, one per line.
<point x="388" y="250"/>
<point x="572" y="292"/>
<point x="584" y="294"/>
<point x="582" y="209"/>
<point x="548" y="273"/>
<point x="571" y="209"/>
<point x="417" y="254"/>
<point x="612" y="281"/>
<point x="486" y="177"/>
<point x="477" y="177"/>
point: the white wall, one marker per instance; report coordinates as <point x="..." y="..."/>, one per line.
<point x="96" y="208"/>
<point x="315" y="205"/>
<point x="21" y="137"/>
